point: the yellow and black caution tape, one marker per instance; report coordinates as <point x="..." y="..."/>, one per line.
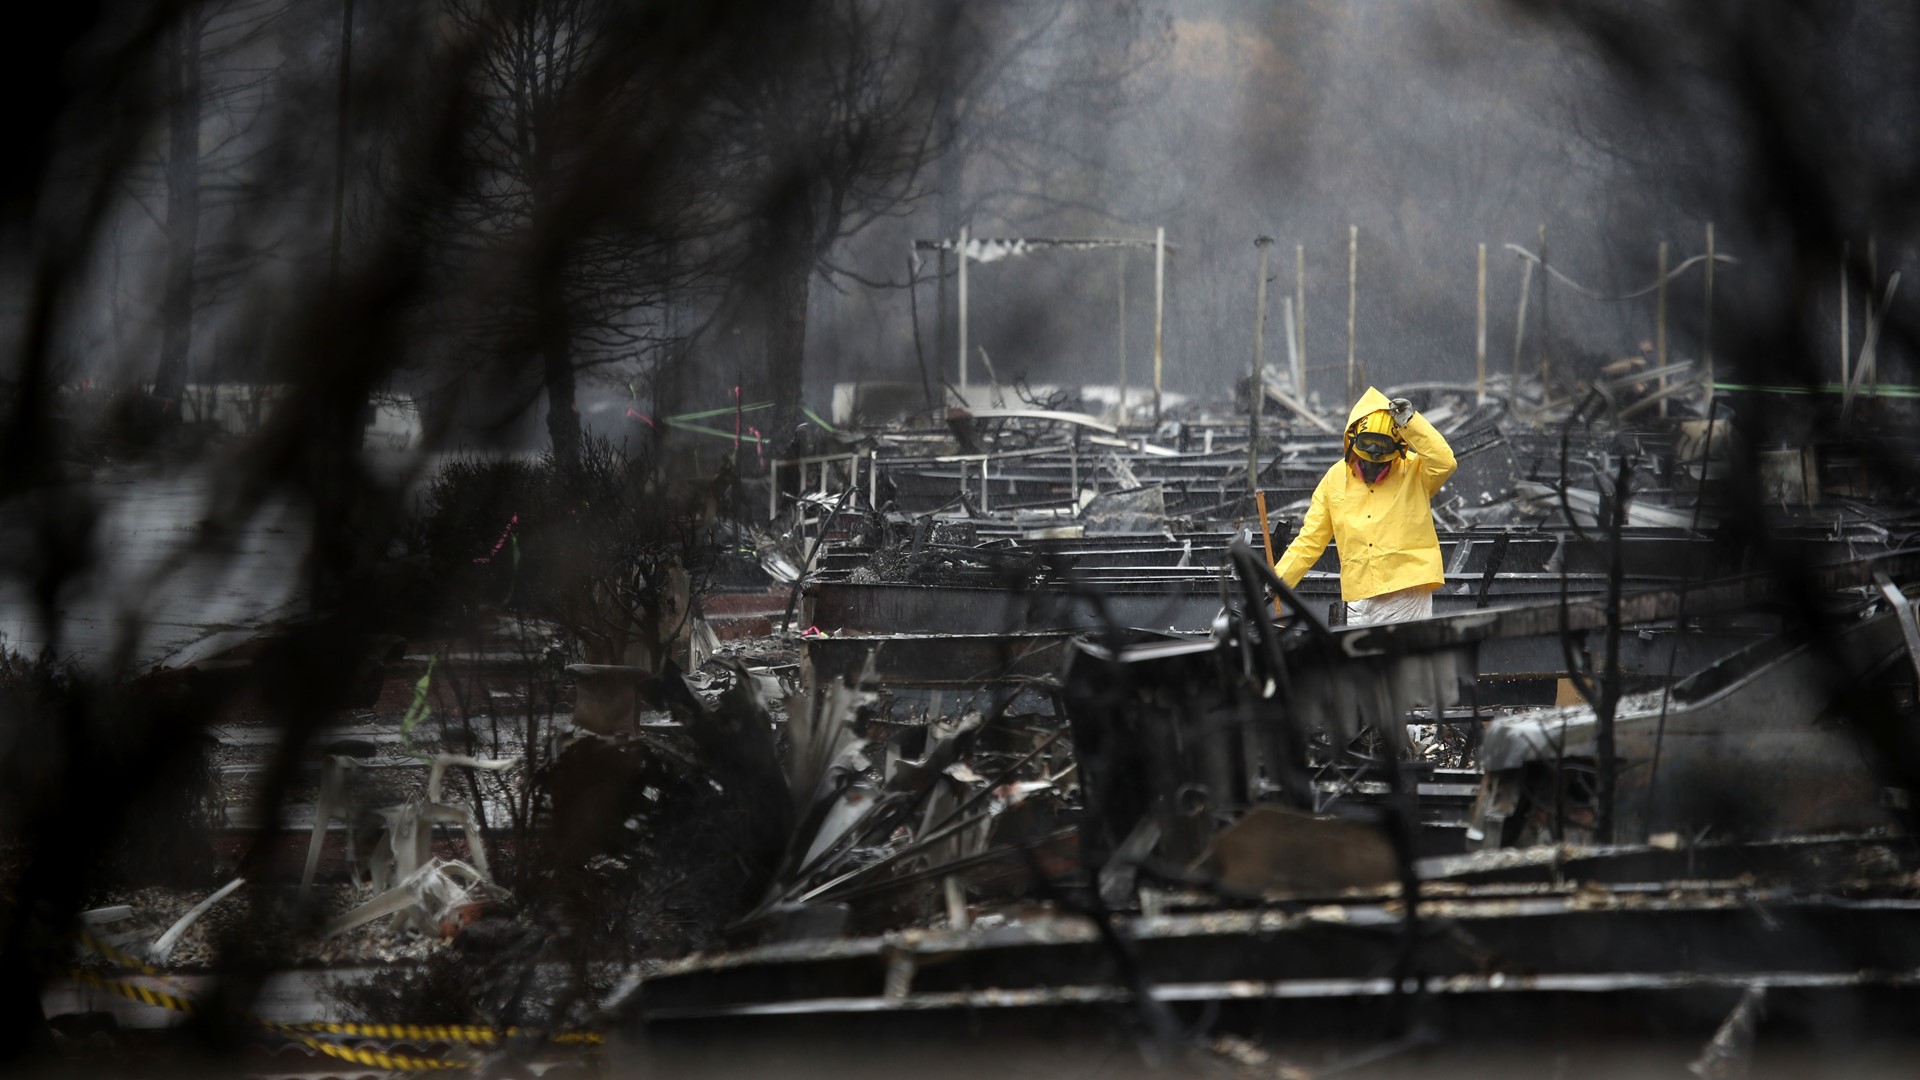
<point x="132" y="991"/>
<point x="118" y="956"/>
<point x="452" y="1033"/>
<point x="378" y="1059"/>
<point x="468" y="1033"/>
<point x="359" y="1055"/>
<point x="306" y="1034"/>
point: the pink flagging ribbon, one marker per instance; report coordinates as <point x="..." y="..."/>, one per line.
<point x="500" y="543"/>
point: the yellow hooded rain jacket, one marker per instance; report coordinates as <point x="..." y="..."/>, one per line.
<point x="1384" y="531"/>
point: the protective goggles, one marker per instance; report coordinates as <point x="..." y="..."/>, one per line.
<point x="1376" y="446"/>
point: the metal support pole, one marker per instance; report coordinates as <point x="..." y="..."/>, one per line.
<point x="1159" y="310"/>
<point x="1520" y="320"/>
<point x="1706" y="326"/>
<point x="773" y="490"/>
<point x="1120" y="408"/>
<point x="1869" y="341"/>
<point x="1256" y="384"/>
<point x="1846" y="320"/>
<point x="1660" y="329"/>
<point x="1480" y="329"/>
<point x="1546" y="323"/>
<point x="1300" y="319"/>
<point x="940" y="324"/>
<point x="1293" y="354"/>
<point x="1073" y="472"/>
<point x="1353" y="281"/>
<point x="963" y="309"/>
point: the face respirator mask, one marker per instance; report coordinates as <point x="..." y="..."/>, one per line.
<point x="1373" y="451"/>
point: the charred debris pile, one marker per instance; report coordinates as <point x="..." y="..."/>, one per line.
<point x="1647" y="769"/>
<point x="1001" y="714"/>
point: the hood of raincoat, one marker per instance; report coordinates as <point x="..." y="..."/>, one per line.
<point x="1370" y="402"/>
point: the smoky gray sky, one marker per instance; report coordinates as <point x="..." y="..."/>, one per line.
<point x="1432" y="125"/>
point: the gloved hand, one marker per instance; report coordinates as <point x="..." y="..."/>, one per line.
<point x="1401" y="410"/>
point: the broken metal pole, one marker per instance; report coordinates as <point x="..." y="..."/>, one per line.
<point x="1865" y="373"/>
<point x="1159" y="310"/>
<point x="1730" y="1052"/>
<point x="324" y="807"/>
<point x="1294" y="363"/>
<point x="1903" y="612"/>
<point x="962" y="301"/>
<point x="163" y="947"/>
<point x="954" y="891"/>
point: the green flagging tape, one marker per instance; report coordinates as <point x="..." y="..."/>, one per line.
<point x="728" y="411"/>
<point x="815" y="417"/>
<point x="681" y="422"/>
<point x="1881" y="390"/>
<point x="746" y="437"/>
<point x="417" y="711"/>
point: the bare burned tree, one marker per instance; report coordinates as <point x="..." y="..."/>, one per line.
<point x="540" y="282"/>
<point x="218" y="65"/>
<point x="834" y="135"/>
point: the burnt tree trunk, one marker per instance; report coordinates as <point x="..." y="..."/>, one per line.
<point x="789" y="280"/>
<point x="554" y="335"/>
<point x="183" y="215"/>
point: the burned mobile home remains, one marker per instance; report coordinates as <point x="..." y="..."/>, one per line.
<point x="999" y="718"/>
<point x="1635" y="764"/>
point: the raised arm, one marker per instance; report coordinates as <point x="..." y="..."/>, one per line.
<point x="1436" y="457"/>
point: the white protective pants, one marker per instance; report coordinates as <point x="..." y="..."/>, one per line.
<point x="1402" y="606"/>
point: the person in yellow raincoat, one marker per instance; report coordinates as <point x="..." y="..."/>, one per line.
<point x="1376" y="505"/>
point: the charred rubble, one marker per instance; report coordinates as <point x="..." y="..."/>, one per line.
<point x="1647" y="769"/>
<point x="1000" y="718"/>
